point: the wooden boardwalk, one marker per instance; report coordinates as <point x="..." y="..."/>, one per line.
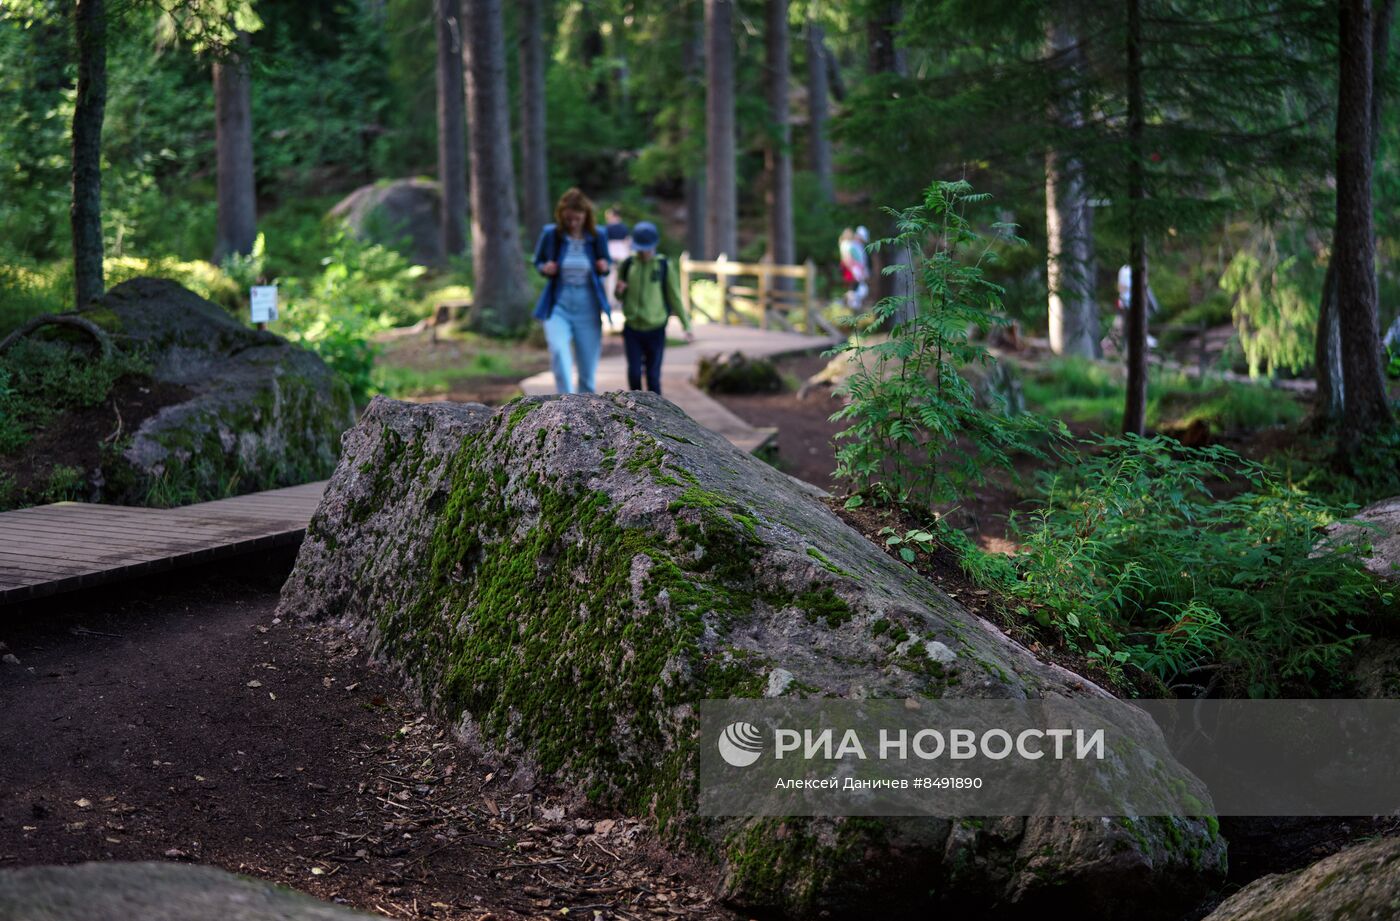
<point x="56" y="548"/>
<point x="678" y="369"/>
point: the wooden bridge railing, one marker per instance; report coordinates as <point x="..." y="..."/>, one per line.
<point x="761" y="303"/>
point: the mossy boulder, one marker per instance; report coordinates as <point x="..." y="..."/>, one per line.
<point x="1361" y="882"/>
<point x="114" y="891"/>
<point x="565" y="577"/>
<point x="1376" y="527"/>
<point x="737" y="373"/>
<point x="260" y="413"/>
<point x="402" y="214"/>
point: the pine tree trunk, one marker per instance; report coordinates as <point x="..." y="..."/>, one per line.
<point x="1069" y="250"/>
<point x="237" y="222"/>
<point x="501" y="291"/>
<point x="451" y="126"/>
<point x="777" y="155"/>
<point x="1327" y="355"/>
<point x="818" y="144"/>
<point x="1135" y="403"/>
<point x="722" y="236"/>
<point x="533" y="163"/>
<point x="1354" y="254"/>
<point x="886" y="57"/>
<point x="85" y="214"/>
<point x="693" y="63"/>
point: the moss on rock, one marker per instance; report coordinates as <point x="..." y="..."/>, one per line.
<point x="565" y="578"/>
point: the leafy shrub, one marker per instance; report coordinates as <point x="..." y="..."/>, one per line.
<point x="27" y="292"/>
<point x="1134" y="562"/>
<point x="203" y="278"/>
<point x="362" y="289"/>
<point x="64" y="484"/>
<point x="1275" y="297"/>
<point x="12" y="433"/>
<point x="1081" y="390"/>
<point x="917" y="434"/>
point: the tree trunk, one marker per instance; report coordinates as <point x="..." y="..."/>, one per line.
<point x="533" y="163"/>
<point x="1354" y="255"/>
<point x="886" y="57"/>
<point x="722" y="232"/>
<point x="451" y="126"/>
<point x="90" y="34"/>
<point x="501" y="291"/>
<point x="1069" y="249"/>
<point x="1327" y="350"/>
<point x="237" y="222"/>
<point x="818" y="144"/>
<point x="777" y="154"/>
<point x="693" y="63"/>
<point x="1327" y="360"/>
<point x="1135" y="403"/>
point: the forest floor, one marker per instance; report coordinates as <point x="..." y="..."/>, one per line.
<point x="806" y="450"/>
<point x="181" y="720"/>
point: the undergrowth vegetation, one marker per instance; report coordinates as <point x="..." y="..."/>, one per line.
<point x="1136" y="559"/>
<point x="1191" y="571"/>
<point x="40" y="378"/>
<point x="1079" y="390"/>
<point x="919" y="431"/>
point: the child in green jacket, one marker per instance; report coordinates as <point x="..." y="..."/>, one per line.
<point x="649" y="292"/>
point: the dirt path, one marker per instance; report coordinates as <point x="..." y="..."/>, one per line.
<point x="181" y="721"/>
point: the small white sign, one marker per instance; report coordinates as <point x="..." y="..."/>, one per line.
<point x="264" y="301"/>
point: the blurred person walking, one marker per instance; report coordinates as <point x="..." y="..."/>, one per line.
<point x="573" y="254"/>
<point x="650" y="293"/>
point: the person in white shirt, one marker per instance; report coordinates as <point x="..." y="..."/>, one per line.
<point x="1125" y="298"/>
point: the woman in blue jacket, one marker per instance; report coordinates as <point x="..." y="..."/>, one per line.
<point x="573" y="255"/>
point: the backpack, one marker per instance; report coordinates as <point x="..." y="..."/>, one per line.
<point x="625" y="266"/>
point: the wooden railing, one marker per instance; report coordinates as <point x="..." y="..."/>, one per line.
<point x="761" y="303"/>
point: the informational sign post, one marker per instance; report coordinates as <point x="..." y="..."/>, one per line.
<point x="263" y="299"/>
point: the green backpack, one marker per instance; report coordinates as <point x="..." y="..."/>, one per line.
<point x="625" y="266"/>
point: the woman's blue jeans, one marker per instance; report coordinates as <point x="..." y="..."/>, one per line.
<point x="574" y="332"/>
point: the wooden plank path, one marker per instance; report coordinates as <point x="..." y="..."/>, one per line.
<point x="678" y="369"/>
<point x="56" y="548"/>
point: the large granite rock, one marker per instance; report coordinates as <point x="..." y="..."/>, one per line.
<point x="261" y="412"/>
<point x="1381" y="531"/>
<point x="154" y="892"/>
<point x="563" y="578"/>
<point x="1361" y="883"/>
<point x="402" y="214"/>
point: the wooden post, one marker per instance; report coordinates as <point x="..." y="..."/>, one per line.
<point x="685" y="283"/>
<point x="811" y="296"/>
<point x="762" y="297"/>
<point x="723" y="278"/>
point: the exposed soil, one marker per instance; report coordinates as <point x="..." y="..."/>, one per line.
<point x="941" y="567"/>
<point x="490" y="389"/>
<point x="805" y="431"/>
<point x="476" y="369"/>
<point x="805" y="449"/>
<point x="77" y="437"/>
<point x="182" y="721"/>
